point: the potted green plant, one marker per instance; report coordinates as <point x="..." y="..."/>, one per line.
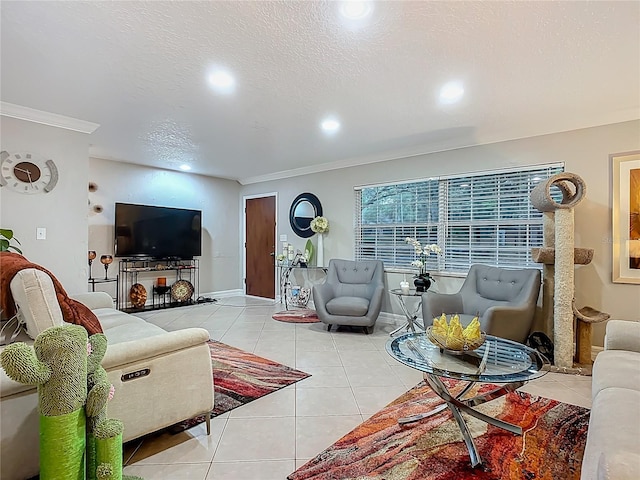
<point x="6" y="236"/>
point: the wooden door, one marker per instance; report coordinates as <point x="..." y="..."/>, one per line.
<point x="260" y="246"/>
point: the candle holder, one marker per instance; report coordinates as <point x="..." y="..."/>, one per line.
<point x="106" y="260"/>
<point x="92" y="256"/>
<point x="161" y="286"/>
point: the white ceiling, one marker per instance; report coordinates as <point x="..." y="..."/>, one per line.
<point x="139" y="70"/>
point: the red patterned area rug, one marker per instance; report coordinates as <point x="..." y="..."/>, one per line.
<point x="303" y="315"/>
<point x="550" y="448"/>
<point x="241" y="377"/>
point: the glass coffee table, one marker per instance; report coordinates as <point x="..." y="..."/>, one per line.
<point x="496" y="361"/>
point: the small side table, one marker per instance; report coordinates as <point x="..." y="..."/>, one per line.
<point x="286" y="292"/>
<point x="412" y="317"/>
<point x="93" y="281"/>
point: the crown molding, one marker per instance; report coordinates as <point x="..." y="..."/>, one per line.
<point x="46" y="118"/>
<point x="323" y="167"/>
<point x="629" y="115"/>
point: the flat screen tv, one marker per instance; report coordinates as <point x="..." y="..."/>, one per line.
<point x="157" y="232"/>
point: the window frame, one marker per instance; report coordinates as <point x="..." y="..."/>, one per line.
<point x="371" y="240"/>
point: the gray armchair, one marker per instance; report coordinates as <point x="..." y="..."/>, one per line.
<point x="352" y="294"/>
<point x="505" y="300"/>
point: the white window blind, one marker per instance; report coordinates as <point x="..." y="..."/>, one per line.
<point x="481" y="218"/>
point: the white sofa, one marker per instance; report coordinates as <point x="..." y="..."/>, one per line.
<point x="613" y="439"/>
<point x="178" y="386"/>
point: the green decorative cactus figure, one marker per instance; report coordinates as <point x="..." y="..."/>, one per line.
<point x="104" y="436"/>
<point x="57" y="364"/>
<point x="98" y="392"/>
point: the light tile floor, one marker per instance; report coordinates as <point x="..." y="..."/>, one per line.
<point x="352" y="378"/>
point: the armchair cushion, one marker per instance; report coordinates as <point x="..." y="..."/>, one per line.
<point x="353" y="306"/>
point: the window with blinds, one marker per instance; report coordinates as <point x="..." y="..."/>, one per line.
<point x="481" y="218"/>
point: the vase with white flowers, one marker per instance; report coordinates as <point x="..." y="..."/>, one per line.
<point x="320" y="225"/>
<point x="422" y="280"/>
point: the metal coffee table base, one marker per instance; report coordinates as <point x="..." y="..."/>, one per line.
<point x="457" y="404"/>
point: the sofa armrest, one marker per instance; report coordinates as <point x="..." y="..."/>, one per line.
<point x="618" y="466"/>
<point x="175" y="381"/>
<point x="94" y="300"/>
<point x="622" y="335"/>
<point x="136" y="350"/>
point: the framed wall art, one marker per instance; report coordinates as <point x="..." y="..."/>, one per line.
<point x="626" y="217"/>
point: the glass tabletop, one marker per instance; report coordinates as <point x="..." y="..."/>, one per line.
<point x="411" y="293"/>
<point x="497" y="360"/>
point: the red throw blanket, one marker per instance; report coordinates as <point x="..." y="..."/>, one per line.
<point x="72" y="310"/>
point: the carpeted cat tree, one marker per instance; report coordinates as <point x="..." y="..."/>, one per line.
<point x="558" y="256"/>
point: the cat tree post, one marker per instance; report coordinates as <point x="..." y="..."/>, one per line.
<point x="559" y="252"/>
<point x="564" y="288"/>
<point x="548" y="273"/>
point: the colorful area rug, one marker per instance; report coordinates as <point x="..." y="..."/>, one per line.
<point x="550" y="448"/>
<point x="241" y="377"/>
<point x="304" y="315"/>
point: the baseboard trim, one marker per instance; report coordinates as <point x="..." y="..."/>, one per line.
<point x="393" y="317"/>
<point x="223" y="293"/>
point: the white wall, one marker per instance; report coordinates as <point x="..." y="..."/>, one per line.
<point x="220" y="263"/>
<point x="585" y="152"/>
<point x="63" y="212"/>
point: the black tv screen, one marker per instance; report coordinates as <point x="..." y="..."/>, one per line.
<point x="157" y="232"/>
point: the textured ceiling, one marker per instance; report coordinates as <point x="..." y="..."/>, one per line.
<point x="139" y="70"/>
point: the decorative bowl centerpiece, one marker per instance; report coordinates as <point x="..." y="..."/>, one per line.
<point x="453" y="337"/>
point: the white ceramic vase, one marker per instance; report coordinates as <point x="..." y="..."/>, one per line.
<point x="320" y="251"/>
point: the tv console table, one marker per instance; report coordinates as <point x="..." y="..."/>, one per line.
<point x="180" y="288"/>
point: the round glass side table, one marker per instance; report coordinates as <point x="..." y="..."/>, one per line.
<point x="412" y="315"/>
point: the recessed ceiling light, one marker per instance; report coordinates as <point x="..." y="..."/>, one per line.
<point x="330" y="125"/>
<point x="222" y="81"/>
<point x="356" y="10"/>
<point x="451" y="92"/>
<point x="185" y="167"/>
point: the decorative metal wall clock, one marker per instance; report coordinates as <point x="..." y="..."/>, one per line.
<point x="27" y="173"/>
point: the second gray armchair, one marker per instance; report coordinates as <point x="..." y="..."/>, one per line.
<point x="352" y="294"/>
<point x="505" y="300"/>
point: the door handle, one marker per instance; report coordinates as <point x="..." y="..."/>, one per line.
<point x="273" y="254"/>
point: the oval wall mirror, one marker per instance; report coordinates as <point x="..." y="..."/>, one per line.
<point x="304" y="208"/>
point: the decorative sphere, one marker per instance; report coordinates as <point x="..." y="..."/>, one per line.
<point x="138" y="295"/>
